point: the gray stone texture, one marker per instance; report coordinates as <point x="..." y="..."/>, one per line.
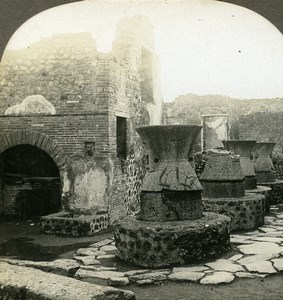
<point x="24" y="283"/>
<point x="158" y="244"/>
<point x="246" y="212"/>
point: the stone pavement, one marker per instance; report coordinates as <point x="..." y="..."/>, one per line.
<point x="258" y="254"/>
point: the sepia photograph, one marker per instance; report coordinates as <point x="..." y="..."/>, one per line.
<point x="141" y="149"/>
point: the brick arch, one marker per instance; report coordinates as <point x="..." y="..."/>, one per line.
<point x="37" y="139"/>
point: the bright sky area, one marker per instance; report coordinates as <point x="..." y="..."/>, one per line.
<point x="204" y="46"/>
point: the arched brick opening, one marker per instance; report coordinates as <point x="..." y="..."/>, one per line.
<point x="37" y="139"/>
<point x="31" y="174"/>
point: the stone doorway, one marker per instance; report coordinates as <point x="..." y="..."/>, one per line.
<point x="30" y="182"/>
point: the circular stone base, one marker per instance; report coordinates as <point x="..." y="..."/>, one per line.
<point x="160" y="244"/>
<point x="246" y="212"/>
<point x="260" y="189"/>
<point x="276" y="194"/>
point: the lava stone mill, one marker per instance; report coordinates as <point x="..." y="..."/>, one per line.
<point x="171" y="227"/>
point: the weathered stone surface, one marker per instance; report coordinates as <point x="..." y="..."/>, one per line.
<point x="263" y="164"/>
<point x="82" y="273"/>
<point x="106" y="256"/>
<point x="32" y="105"/>
<point x="261" y="248"/>
<point x="17" y="282"/>
<point x="218" y="277"/>
<point x="190" y="269"/>
<point x="170" y="190"/>
<point x="278" y="263"/>
<point x="244" y="149"/>
<point x="154" y="244"/>
<point x="268" y="239"/>
<point x="245" y="275"/>
<point x="108" y="248"/>
<point x="101" y="243"/>
<point x="144" y="282"/>
<point x="267" y="229"/>
<point x="225" y="265"/>
<point x="254" y="259"/>
<point x="118" y="281"/>
<point x="98" y="268"/>
<point x="87" y="260"/>
<point x="246" y="212"/>
<point x="186" y="276"/>
<point x="261" y="267"/>
<point x="236" y="257"/>
<point x="155" y="276"/>
<point x="135" y="272"/>
<point x="65" y="267"/>
<point x="88" y="252"/>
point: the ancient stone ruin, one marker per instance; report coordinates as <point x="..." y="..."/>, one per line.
<point x="224" y="191"/>
<point x="265" y="172"/>
<point x="171" y="227"/>
<point x="244" y="149"/>
<point x="71" y="111"/>
<point x="263" y="164"/>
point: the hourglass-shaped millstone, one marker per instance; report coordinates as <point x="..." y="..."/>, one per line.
<point x="264" y="168"/>
<point x="244" y="149"/>
<point x="171" y="189"/>
<point x="223" y="176"/>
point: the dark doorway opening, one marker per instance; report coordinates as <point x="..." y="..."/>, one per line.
<point x="30" y="183"/>
<point x="121" y="137"/>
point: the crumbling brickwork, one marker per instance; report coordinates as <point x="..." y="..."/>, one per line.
<point x="89" y="92"/>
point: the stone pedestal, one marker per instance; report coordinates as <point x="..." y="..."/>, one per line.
<point x="222" y="176"/>
<point x="244" y="149"/>
<point x="171" y="227"/>
<point x="265" y="191"/>
<point x="246" y="212"/>
<point x="275" y="196"/>
<point x="224" y="192"/>
<point x="264" y="168"/>
<point x="159" y="244"/>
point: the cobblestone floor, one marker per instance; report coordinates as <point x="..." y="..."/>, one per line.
<point x="256" y="254"/>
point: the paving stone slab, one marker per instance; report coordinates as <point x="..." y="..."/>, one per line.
<point x="186" y="276"/>
<point x="98" y="268"/>
<point x="278" y="263"/>
<point x="86" y="251"/>
<point x="108" y="248"/>
<point x="82" y="273"/>
<point x="245" y="275"/>
<point x="87" y="260"/>
<point x="190" y="269"/>
<point x="155" y="276"/>
<point x="25" y="283"/>
<point x="106" y="256"/>
<point x="267" y="229"/>
<point x="118" y="281"/>
<point x="235" y="257"/>
<point x="144" y="282"/>
<point x="268" y="239"/>
<point x="261" y="248"/>
<point x="217" y="278"/>
<point x="225" y="265"/>
<point x="135" y="272"/>
<point x="101" y="243"/>
<point x="254" y="258"/>
<point x="261" y="267"/>
<point x="65" y="267"/>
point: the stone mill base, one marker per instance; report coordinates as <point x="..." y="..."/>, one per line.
<point x="64" y="223"/>
<point x="276" y="194"/>
<point x="246" y="212"/>
<point x="262" y="190"/>
<point x="160" y="244"/>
